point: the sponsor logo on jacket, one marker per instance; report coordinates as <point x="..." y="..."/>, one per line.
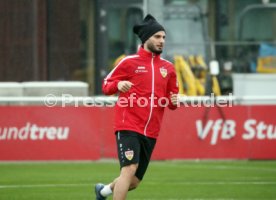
<point x="141" y="69"/>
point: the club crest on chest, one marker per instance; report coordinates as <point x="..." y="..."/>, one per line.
<point x="164" y="72"/>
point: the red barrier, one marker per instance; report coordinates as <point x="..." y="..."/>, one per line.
<point x="247" y="132"/>
<point x="86" y="133"/>
<point x="41" y="133"/>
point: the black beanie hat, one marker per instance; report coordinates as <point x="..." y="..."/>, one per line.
<point x="147" y="28"/>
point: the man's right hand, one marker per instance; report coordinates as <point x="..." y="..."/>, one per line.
<point x="124" y="86"/>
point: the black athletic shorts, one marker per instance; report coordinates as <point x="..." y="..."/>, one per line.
<point x="134" y="148"/>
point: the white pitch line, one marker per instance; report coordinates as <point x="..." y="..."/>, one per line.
<point x="148" y="182"/>
<point x="217" y="167"/>
<point x="218" y="183"/>
<point x="187" y="199"/>
<point x="42" y="186"/>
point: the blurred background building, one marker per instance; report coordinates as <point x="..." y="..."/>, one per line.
<point x="66" y="40"/>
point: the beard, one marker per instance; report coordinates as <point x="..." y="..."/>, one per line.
<point x="153" y="49"/>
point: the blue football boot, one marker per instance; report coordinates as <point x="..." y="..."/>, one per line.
<point x="98" y="188"/>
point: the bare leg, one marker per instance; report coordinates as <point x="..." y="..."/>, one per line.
<point x="134" y="183"/>
<point x="124" y="182"/>
<point x="109" y="188"/>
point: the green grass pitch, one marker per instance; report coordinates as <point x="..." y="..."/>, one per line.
<point x="170" y="180"/>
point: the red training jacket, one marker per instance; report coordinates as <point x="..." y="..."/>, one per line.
<point x="141" y="109"/>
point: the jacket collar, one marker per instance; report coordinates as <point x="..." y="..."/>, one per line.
<point x="142" y="52"/>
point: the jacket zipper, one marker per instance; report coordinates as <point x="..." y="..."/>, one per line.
<point x="152" y="95"/>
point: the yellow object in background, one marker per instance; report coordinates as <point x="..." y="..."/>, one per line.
<point x="185" y="76"/>
<point x="191" y="76"/>
<point x="200" y="87"/>
<point x="116" y="62"/>
<point x="200" y="62"/>
<point x="266" y="64"/>
<point x="215" y="86"/>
